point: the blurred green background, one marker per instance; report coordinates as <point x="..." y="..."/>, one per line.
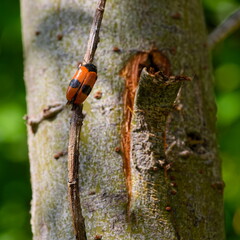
<point x="226" y="65"/>
<point x="15" y="193"/>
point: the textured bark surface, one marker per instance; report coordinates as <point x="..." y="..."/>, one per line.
<point x="183" y="202"/>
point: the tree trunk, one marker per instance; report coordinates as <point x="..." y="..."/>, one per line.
<point x="165" y="183"/>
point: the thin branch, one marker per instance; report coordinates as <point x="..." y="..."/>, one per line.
<point x="94" y="34"/>
<point x="74" y="134"/>
<point x="228" y="26"/>
<point x="73" y="166"/>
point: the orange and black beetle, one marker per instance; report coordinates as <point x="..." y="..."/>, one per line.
<point x="81" y="83"/>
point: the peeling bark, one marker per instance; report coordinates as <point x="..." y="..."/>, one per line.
<point x="176" y="186"/>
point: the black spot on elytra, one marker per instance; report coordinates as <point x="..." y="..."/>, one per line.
<point x="86" y="89"/>
<point x="74" y="83"/>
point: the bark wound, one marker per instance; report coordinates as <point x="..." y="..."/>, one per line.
<point x="154" y="61"/>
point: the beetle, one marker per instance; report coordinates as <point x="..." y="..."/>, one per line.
<point x="81" y="84"/>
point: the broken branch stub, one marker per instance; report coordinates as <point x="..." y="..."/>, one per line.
<point x="154" y="100"/>
<point x="155" y="61"/>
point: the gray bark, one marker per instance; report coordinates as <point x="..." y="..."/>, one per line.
<point x="184" y="202"/>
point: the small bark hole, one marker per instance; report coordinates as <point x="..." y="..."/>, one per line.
<point x="195" y="141"/>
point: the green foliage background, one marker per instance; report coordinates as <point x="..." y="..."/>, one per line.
<point x="15" y="193"/>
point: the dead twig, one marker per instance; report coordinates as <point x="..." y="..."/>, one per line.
<point x="74" y="134"/>
<point x="94" y="34"/>
<point x="48" y="113"/>
<point x="73" y="166"/>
